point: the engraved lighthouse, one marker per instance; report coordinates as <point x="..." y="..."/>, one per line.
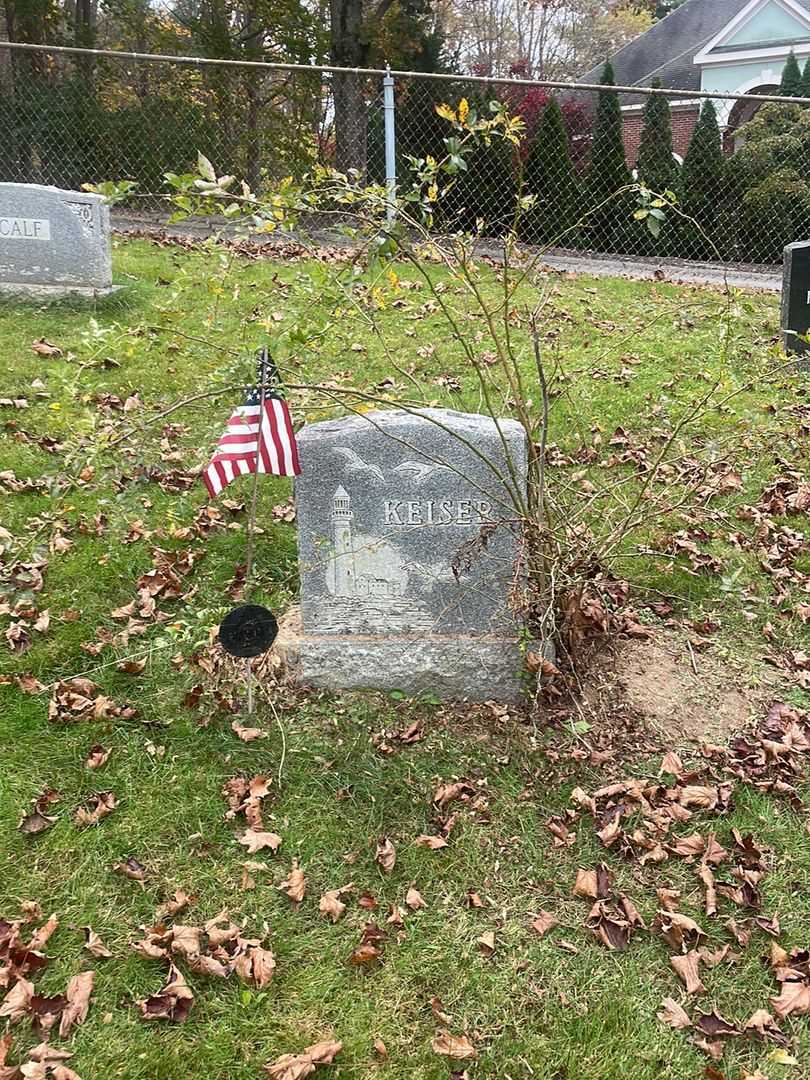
<point x="342" y="516"/>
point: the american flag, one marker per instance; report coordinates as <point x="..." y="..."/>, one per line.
<point x="259" y="437"/>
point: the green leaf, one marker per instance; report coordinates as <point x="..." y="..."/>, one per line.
<point x="205" y="168"/>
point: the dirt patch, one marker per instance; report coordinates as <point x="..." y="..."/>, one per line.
<point x="656" y="680"/>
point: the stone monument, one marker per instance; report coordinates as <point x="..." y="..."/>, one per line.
<point x="409" y="547"/>
<point x="54" y="243"/>
<point x="796" y="298"/>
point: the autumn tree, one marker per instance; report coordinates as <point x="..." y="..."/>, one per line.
<point x="367" y="33"/>
<point x="540" y="39"/>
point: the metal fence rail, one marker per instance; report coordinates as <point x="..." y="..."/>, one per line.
<point x="71" y="116"/>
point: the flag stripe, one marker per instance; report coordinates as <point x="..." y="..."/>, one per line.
<point x="259" y="436"/>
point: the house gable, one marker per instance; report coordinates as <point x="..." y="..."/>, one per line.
<point x="761" y="28"/>
<point x="772" y="24"/>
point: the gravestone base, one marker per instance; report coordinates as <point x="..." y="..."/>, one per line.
<point x="23" y="291"/>
<point x="451" y="667"/>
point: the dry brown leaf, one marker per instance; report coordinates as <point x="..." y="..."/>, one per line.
<point x="96" y="807"/>
<point x="395" y="917"/>
<point x="298" y="1066"/>
<point x="457" y="1047"/>
<point x="295" y="885"/>
<point x="247" y="734"/>
<point x="686" y="968"/>
<point x="414" y="899"/>
<point x="764" y="1024"/>
<point x="45" y="348"/>
<point x="672" y="764"/>
<point x="185" y="940"/>
<point x="173" y="1002"/>
<point x="386" y="855"/>
<point x="78" y="994"/>
<point x="486" y="943"/>
<point x="593" y="884"/>
<point x="41" y="936"/>
<point x="93" y="943"/>
<point x="794" y="998"/>
<point x="432" y="842"/>
<point x="544" y="922"/>
<point x="256" y="840"/>
<point x="97" y="757"/>
<point x="331" y="904"/>
<point x="673" y="1014"/>
<point x="17" y="1001"/>
<point x="176" y="906"/>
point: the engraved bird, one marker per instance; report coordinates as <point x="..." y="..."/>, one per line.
<point x="420" y="471"/>
<point x="354" y="463"/>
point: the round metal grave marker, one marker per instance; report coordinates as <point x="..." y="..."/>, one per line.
<point x="248" y="631"/>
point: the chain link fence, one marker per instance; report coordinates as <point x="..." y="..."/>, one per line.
<point x="739" y="168"/>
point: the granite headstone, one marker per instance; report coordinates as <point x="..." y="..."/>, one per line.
<point x="796" y="297"/>
<point x="53" y="242"/>
<point x="409" y="548"/>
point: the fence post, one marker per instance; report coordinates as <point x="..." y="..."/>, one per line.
<point x="389" y="110"/>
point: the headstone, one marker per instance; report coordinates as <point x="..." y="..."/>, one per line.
<point x="409" y="545"/>
<point x="54" y="243"/>
<point x="796" y="297"/>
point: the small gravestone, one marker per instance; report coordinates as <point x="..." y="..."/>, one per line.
<point x="54" y="243"/>
<point x="409" y="546"/>
<point x="796" y="297"/>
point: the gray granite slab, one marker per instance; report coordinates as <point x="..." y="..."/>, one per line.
<point x="53" y="242"/>
<point x="796" y="298"/>
<point x="409" y="545"/>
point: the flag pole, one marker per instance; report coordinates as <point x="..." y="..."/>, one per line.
<point x="251" y="523"/>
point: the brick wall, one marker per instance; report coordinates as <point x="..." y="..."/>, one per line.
<point x="684" y="119"/>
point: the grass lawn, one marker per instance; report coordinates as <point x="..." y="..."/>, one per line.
<point x="552" y="1007"/>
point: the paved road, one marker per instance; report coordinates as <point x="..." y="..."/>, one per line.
<point x="764" y="278"/>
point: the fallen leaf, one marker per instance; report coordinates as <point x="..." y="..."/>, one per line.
<point x="178" y="904"/>
<point x="457" y="1047"/>
<point x="97" y="757"/>
<point x="331" y="904"/>
<point x="131" y="868"/>
<point x="432" y="842"/>
<point x="44" y="348"/>
<point x="78" y="994"/>
<point x="94" y="944"/>
<point x="386" y="855"/>
<point x="673" y="1014"/>
<point x="247" y="734"/>
<point x="255" y="840"/>
<point x="486" y="944"/>
<point x="17" y="1001"/>
<point x="686" y="968"/>
<point x="795" y="998"/>
<point x="295" y="885"/>
<point x="544" y="922"/>
<point x="594" y="884"/>
<point x="173" y="1002"/>
<point x="96" y="807"/>
<point x="414" y="899"/>
<point x="298" y="1066"/>
<point x="714" y="1025"/>
<point x="764" y="1024"/>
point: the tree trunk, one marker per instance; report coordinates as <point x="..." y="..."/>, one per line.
<point x="349" y="50"/>
<point x="84" y="34"/>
